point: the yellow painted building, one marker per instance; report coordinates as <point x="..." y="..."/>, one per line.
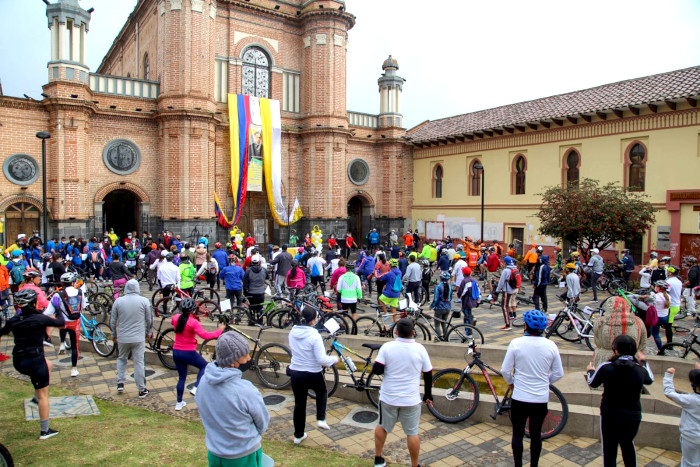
<point x="643" y="133"/>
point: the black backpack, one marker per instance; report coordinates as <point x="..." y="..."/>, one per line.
<point x="72" y="305"/>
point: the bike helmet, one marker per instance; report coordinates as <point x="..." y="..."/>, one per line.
<point x="540" y="249"/>
<point x="663" y="284"/>
<point x="129" y="246"/>
<point x="424" y="262"/>
<point x="231" y="258"/>
<point x="46" y="256"/>
<point x="673" y="270"/>
<point x="483" y="248"/>
<point x="217" y="244"/>
<point x="571" y="266"/>
<point x="169" y="256"/>
<point x="653" y="254"/>
<point x="393" y="262"/>
<point x="25" y="297"/>
<point x="445" y="276"/>
<point x="458" y="256"/>
<point x="575" y="253"/>
<point x="69" y="278"/>
<point x="666" y="259"/>
<point x="188" y="305"/>
<point x="31" y="272"/>
<point x="492" y="249"/>
<point x="691" y="260"/>
<point x="535" y="320"/>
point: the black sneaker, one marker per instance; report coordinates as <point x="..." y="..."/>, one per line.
<point x="143" y="393"/>
<point x="48" y="434"/>
<point x="120" y="387"/>
<point x="34" y="400"/>
<point x="379" y="462"/>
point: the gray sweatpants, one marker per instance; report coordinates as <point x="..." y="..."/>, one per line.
<point x="137" y="351"/>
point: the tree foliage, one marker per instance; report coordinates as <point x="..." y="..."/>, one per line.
<point x="592" y="215"/>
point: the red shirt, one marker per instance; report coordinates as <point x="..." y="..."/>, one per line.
<point x="349" y="241"/>
<point x="492" y="262"/>
<point x="332" y="242"/>
<point x="408" y="239"/>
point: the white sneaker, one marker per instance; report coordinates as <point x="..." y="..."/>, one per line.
<point x="193" y="391"/>
<point x="299" y="440"/>
<point x="62" y="348"/>
<point x="323" y="424"/>
<point x="74" y="372"/>
<point x="180" y="405"/>
<point x="489" y="298"/>
<point x="48" y="344"/>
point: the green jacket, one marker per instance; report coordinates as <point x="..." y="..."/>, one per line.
<point x="425" y="252"/>
<point x="433" y="254"/>
<point x="349" y="287"/>
<point x="187" y="273"/>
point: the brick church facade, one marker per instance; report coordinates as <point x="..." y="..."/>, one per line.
<point x="143" y="143"/>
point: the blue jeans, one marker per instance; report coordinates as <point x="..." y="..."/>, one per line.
<point x="662" y="323"/>
<point x="183" y="358"/>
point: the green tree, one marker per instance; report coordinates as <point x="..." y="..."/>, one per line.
<point x="592" y="215"/>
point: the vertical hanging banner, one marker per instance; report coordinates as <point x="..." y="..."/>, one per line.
<point x="256" y="149"/>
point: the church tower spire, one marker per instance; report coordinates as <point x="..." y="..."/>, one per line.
<point x="390" y="88"/>
<point x="69" y="24"/>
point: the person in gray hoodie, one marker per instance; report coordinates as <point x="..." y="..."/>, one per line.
<point x="254" y="285"/>
<point x="131" y="321"/>
<point x="308" y="359"/>
<point x="232" y="409"/>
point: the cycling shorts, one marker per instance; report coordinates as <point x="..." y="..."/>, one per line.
<point x="35" y="368"/>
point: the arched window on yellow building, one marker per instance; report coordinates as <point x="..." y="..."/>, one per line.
<point x="437" y="181"/>
<point x="572" y="163"/>
<point x="518" y="175"/>
<point x="637" y="161"/>
<point x="474" y="178"/>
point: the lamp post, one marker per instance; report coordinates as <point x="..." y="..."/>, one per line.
<point x="480" y="167"/>
<point x="43" y="136"/>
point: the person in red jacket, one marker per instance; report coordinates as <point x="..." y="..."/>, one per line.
<point x="492" y="264"/>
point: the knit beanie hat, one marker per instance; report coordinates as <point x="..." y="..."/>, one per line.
<point x="230" y="347"/>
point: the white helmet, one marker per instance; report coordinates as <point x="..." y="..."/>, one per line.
<point x="255" y="259"/>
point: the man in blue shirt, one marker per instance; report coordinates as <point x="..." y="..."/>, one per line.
<point x="373" y="238"/>
<point x="233" y="280"/>
<point x="221" y="258"/>
<point x="627" y="264"/>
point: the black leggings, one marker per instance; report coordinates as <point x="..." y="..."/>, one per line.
<point x="73" y="344"/>
<point x="615" y="431"/>
<point x="380" y="287"/>
<point x="540" y="292"/>
<point x="519" y="413"/>
<point x="35" y="367"/>
<point x="302" y="381"/>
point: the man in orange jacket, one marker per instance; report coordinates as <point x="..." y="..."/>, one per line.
<point x="530" y="259"/>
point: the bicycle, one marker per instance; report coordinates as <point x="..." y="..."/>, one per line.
<point x="168" y="305"/>
<point x="686" y="348"/>
<point x="456" y="396"/>
<point x="572" y="325"/>
<point x="5" y="457"/>
<point x="367" y="382"/>
<point x="270" y="361"/>
<point x="198" y="294"/>
<point x="99" y="334"/>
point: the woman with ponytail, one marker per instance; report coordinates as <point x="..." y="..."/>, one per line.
<point x="663" y="305"/>
<point x="187" y="328"/>
<point x="296" y="278"/>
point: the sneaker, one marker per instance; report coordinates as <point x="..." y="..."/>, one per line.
<point x="144" y="393"/>
<point x="62" y="348"/>
<point x="4" y="357"/>
<point x="323" y="424"/>
<point x="474" y="323"/>
<point x="506" y="328"/>
<point x="120" y="387"/>
<point x="299" y="440"/>
<point x="74" y="372"/>
<point x="594" y="301"/>
<point x="489" y="298"/>
<point x="48" y="434"/>
<point x="193" y="391"/>
<point x="379" y="462"/>
<point x="48" y="344"/>
<point x="34" y="400"/>
<point x="180" y="405"/>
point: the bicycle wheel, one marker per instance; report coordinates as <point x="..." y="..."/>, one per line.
<point x="464" y="334"/>
<point x="340" y="319"/>
<point x="166" y="306"/>
<point x="103" y="299"/>
<point x="680" y="350"/>
<point x="207" y="308"/>
<point x="91" y="287"/>
<point x="164" y="348"/>
<point x="285" y="320"/>
<point x="518" y="322"/>
<point x="102" y="340"/>
<point x="455" y="395"/>
<point x="588" y="330"/>
<point x="420" y="295"/>
<point x="374" y="384"/>
<point x="213" y="294"/>
<point x="273" y="318"/>
<point x="557" y="415"/>
<point x="157" y="295"/>
<point x="207" y="350"/>
<point x="567" y="330"/>
<point x="368" y="326"/>
<point x="138" y="274"/>
<point x="5" y="457"/>
<point x="271" y="364"/>
<point x="330" y="376"/>
<point x="422" y="331"/>
<point x="681" y="314"/>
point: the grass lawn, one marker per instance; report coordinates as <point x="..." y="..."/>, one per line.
<point x="124" y="435"/>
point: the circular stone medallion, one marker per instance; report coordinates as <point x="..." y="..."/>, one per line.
<point x="21" y="169"/>
<point x="121" y="156"/>
<point x="358" y="171"/>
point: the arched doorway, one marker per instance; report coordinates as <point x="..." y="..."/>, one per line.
<point x="21" y="218"/>
<point x="120" y="211"/>
<point x="359" y="218"/>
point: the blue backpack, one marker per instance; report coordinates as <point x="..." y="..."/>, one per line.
<point x="476" y="293"/>
<point x="398" y="285"/>
<point x="314" y="271"/>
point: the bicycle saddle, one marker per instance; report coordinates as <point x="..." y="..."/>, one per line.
<point x="372" y="346"/>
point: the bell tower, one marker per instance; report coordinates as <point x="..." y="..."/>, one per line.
<point x="390" y="88"/>
<point x="69" y="25"/>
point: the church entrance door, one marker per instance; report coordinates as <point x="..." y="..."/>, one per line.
<point x="120" y="212"/>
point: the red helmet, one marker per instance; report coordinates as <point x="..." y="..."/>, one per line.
<point x="217" y="244"/>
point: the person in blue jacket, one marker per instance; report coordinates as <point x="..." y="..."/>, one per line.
<point x="221" y="258"/>
<point x="442" y="304"/>
<point x="366" y="270"/>
<point x="443" y="262"/>
<point x="389" y="295"/>
<point x="540" y="282"/>
<point x="233" y="280"/>
<point x="373" y="238"/>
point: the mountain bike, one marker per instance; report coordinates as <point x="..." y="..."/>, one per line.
<point x="270" y="361"/>
<point x="366" y="382"/>
<point x="99" y="334"/>
<point x="456" y="396"/>
<point x="573" y="325"/>
<point x="5" y="457"/>
<point x="689" y="348"/>
<point x="169" y="305"/>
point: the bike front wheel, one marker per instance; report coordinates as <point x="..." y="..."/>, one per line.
<point x="164" y="348"/>
<point x="368" y="326"/>
<point x="557" y="415"/>
<point x="271" y="364"/>
<point x="330" y="376"/>
<point x="455" y="395"/>
<point x="422" y="331"/>
<point x="374" y="383"/>
<point x="103" y="340"/>
<point x="680" y="350"/>
<point x="464" y="334"/>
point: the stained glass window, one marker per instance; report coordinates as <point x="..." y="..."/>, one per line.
<point x="256" y="73"/>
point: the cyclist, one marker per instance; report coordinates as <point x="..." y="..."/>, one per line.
<point x="32" y="280"/>
<point x="306" y="370"/>
<point x="531" y="364"/>
<point x="131" y="258"/>
<point x="623" y="378"/>
<point x="187" y="328"/>
<point x="653" y="262"/>
<point x="690" y="284"/>
<point x="28" y="329"/>
<point x="254" y="285"/>
<point x="481" y="263"/>
<point x="16" y="269"/>
<point x="233" y="280"/>
<point x="315" y="265"/>
<point x="690" y="414"/>
<point x="119" y="272"/>
<point x="296" y="279"/>
<point x="509" y="283"/>
<point x="187" y="274"/>
<point x="627" y="265"/>
<point x="492" y="264"/>
<point x="168" y="274"/>
<point x="426" y="276"/>
<point x="573" y="283"/>
<point x="350" y="289"/>
<point x="596" y="264"/>
<point x="675" y="287"/>
<point x="658" y="273"/>
<point x="457" y="267"/>
<point x="540" y="282"/>
<point x="442" y="305"/>
<point x="381" y="268"/>
<point x="68" y="303"/>
<point x="466" y="294"/>
<point x="390" y="295"/>
<point x="530" y="259"/>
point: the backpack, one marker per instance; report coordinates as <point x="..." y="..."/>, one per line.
<point x="476" y="293"/>
<point x="17" y="272"/>
<point x="398" y="285"/>
<point x="71" y="305"/>
<point x="651" y="318"/>
<point x="95" y="257"/>
<point x="314" y="271"/>
<point x="513" y="279"/>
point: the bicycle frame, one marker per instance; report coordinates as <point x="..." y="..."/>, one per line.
<point x="339" y="348"/>
<point x="87" y="327"/>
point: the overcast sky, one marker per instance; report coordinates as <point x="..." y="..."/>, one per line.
<point x="457" y="56"/>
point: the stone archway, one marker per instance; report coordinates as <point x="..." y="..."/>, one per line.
<point x="360" y="213"/>
<point x="22" y="214"/>
<point x="123" y="206"/>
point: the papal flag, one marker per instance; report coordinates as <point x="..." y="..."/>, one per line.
<point x="255" y="140"/>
